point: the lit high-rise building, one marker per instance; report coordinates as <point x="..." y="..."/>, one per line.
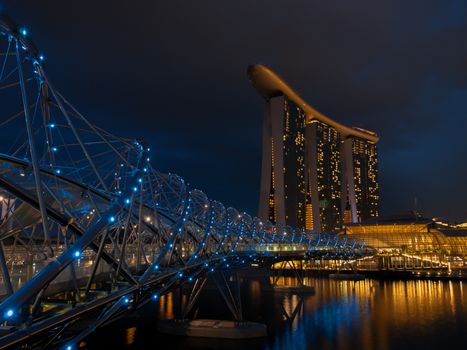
<point x="316" y="173"/>
<point x="361" y="177"/>
<point x="284" y="162"/>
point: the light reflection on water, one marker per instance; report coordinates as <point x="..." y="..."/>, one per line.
<point x="130" y="335"/>
<point x="166" y="307"/>
<point x="369" y="314"/>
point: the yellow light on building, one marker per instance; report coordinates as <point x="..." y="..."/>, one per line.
<point x="309" y="217"/>
<point x="347" y="216"/>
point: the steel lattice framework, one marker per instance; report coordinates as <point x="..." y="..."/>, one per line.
<point x="88" y="226"/>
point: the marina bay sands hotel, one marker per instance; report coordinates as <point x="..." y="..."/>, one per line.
<point x="316" y="173"/>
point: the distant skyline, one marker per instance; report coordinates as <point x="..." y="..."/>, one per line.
<point x="174" y="73"/>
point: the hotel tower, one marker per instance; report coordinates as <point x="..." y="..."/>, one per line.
<point x="316" y="174"/>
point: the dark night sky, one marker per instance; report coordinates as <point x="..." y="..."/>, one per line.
<point x="174" y="73"/>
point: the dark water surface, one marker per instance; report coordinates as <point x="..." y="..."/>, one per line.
<point x="369" y="314"/>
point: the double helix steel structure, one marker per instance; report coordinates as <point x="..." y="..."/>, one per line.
<point x="89" y="227"/>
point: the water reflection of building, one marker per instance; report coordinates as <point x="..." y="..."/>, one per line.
<point x="316" y="173"/>
<point x="408" y="241"/>
<point x="367" y="314"/>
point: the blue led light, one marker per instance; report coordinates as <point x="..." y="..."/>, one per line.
<point x="77" y="254"/>
<point x="52" y="125"/>
<point x="140" y="180"/>
<point x="190" y="279"/>
<point x="112" y="219"/>
<point x="69" y="347"/>
<point x="9" y="313"/>
<point x="24" y="31"/>
<point x="148" y="159"/>
<point x="145" y="170"/>
<point x="127" y="201"/>
<point x="156" y="267"/>
<point x="58" y="171"/>
<point x="155" y="296"/>
<point x="55" y="149"/>
<point x="126" y="300"/>
<point x="135" y="189"/>
<point x="41" y="57"/>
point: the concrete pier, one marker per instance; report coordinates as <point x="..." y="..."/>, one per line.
<point x="213" y="328"/>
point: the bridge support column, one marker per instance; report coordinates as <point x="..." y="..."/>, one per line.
<point x="231" y="298"/>
<point x="236" y="329"/>
<point x="192" y="297"/>
<point x="290" y="265"/>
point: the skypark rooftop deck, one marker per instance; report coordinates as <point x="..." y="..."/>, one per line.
<point x="269" y="84"/>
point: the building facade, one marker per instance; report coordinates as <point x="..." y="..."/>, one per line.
<point x="408" y="241"/>
<point x="317" y="174"/>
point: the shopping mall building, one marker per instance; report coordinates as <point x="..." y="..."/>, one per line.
<point x="408" y="241"/>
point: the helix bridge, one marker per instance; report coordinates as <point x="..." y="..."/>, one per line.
<point x="90" y="229"/>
